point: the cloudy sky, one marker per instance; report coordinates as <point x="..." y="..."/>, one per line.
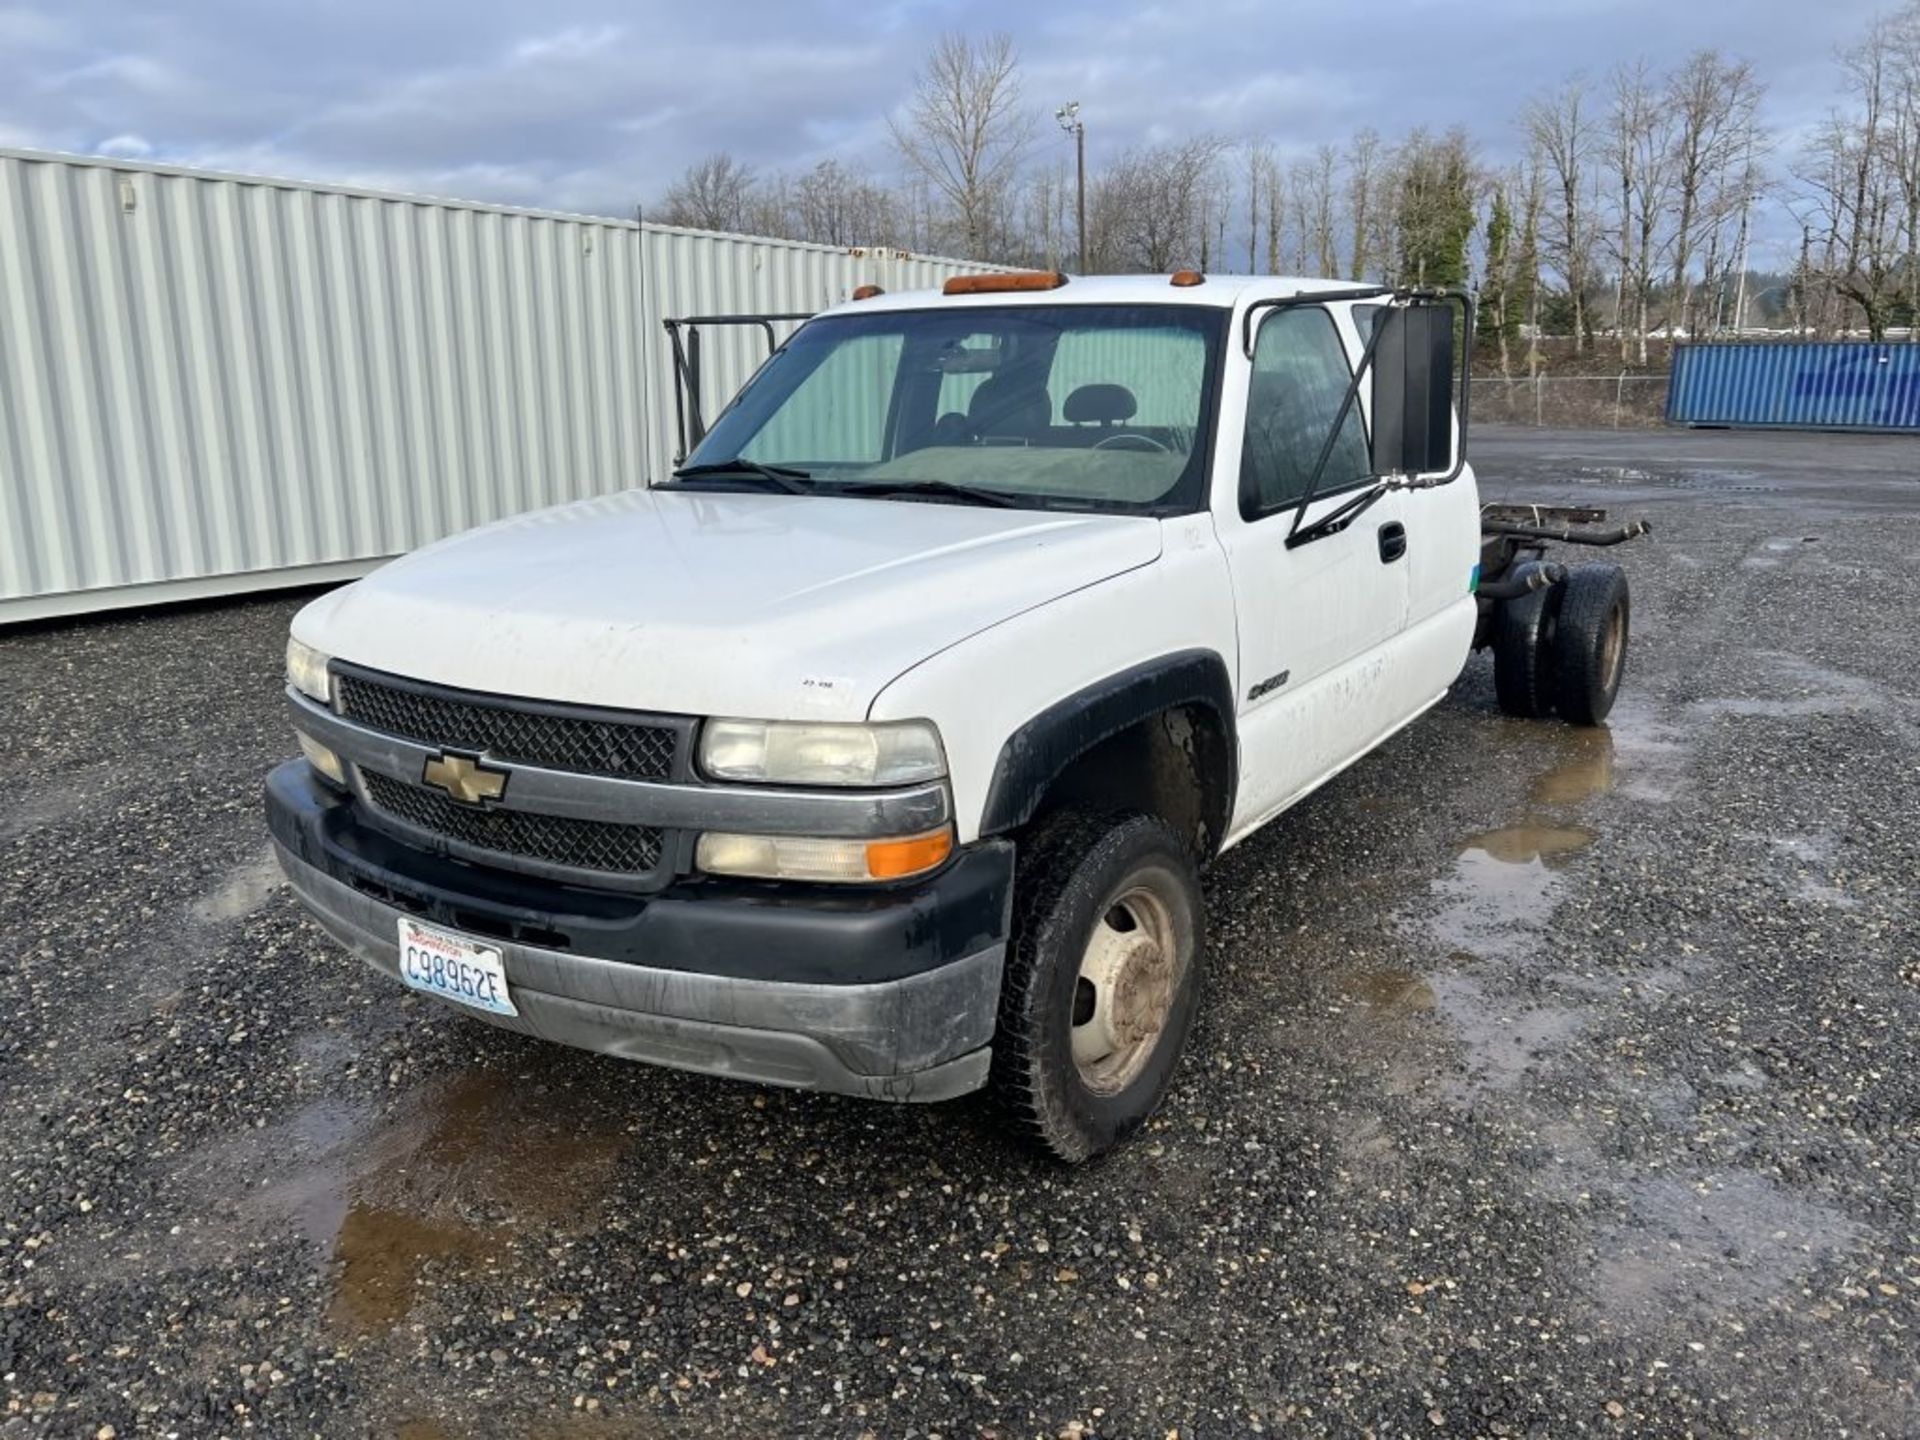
<point x="586" y="105"/>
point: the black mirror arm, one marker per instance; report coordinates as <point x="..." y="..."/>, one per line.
<point x="1334" y="521"/>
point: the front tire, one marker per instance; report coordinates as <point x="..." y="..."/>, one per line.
<point x="1102" y="980"/>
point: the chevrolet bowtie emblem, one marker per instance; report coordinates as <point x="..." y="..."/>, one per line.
<point x="464" y="778"/>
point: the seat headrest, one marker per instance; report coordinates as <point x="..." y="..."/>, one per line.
<point x="1103" y="404"/>
<point x="1009" y="405"/>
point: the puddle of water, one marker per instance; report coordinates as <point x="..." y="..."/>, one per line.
<point x="381" y="1254"/>
<point x="1625" y="474"/>
<point x="472" y="1167"/>
<point x="1712" y="1245"/>
<point x="1586" y="769"/>
<point x="1812" y="690"/>
<point x="1505" y="1037"/>
<point x="244" y="891"/>
<point x="1524" y="844"/>
<point x="1499" y="892"/>
<point x="1392" y="990"/>
<point x="1494" y="906"/>
<point x="1809" y="849"/>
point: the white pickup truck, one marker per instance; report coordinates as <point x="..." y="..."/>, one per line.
<point x="879" y="749"/>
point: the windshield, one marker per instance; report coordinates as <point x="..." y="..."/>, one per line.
<point x="1103" y="407"/>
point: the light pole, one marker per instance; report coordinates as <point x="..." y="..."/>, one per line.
<point x="1069" y="117"/>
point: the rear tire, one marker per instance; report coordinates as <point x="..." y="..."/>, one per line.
<point x="1590" y="643"/>
<point x="1102" y="979"/>
<point x="1523" y="650"/>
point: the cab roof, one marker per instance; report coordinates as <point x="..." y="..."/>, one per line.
<point x="1221" y="291"/>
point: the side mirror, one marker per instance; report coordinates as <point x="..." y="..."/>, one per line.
<point x="1413" y="388"/>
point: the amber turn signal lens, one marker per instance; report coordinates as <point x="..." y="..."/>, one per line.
<point x="1188" y="277"/>
<point x="891" y="859"/>
<point x="996" y="284"/>
<point x="867" y="292"/>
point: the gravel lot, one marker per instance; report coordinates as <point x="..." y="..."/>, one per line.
<point x="1549" y="1082"/>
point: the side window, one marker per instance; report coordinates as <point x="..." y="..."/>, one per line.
<point x="836" y="414"/>
<point x="1300" y="375"/>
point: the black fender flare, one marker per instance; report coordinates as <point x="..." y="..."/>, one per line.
<point x="1036" y="754"/>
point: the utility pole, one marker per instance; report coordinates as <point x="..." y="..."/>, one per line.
<point x="1069" y="117"/>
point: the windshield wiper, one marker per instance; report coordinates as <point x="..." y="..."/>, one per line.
<point x="942" y="489"/>
<point x="794" y="482"/>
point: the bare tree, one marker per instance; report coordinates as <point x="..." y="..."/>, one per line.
<point x="1048" y="221"/>
<point x="1904" y="148"/>
<point x="1561" y="130"/>
<point x="1363" y="156"/>
<point x="1260" y="184"/>
<point x="1326" y="162"/>
<point x="1714" y="103"/>
<point x="1641" y="153"/>
<point x="1302" y="205"/>
<point x="965" y="132"/>
<point x="1852" y="173"/>
<point x="715" y="193"/>
<point x="833" y="205"/>
<point x="1156" y="204"/>
<point x="1276" y="216"/>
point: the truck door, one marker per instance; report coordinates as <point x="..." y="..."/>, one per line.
<point x="1314" y="618"/>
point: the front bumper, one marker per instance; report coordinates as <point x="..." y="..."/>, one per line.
<point x="889" y="994"/>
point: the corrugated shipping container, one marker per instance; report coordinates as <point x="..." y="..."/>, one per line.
<point x="214" y="383"/>
<point x="1830" y="385"/>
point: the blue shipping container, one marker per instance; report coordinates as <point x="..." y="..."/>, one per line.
<point x="1831" y="385"/>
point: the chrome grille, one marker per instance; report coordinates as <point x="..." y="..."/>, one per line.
<point x="626" y="850"/>
<point x="629" y="750"/>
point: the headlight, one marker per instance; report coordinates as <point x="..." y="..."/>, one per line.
<point x="307" y="671"/>
<point x="790" y="753"/>
<point x="794" y="857"/>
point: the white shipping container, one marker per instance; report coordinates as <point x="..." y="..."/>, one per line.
<point x="214" y="383"/>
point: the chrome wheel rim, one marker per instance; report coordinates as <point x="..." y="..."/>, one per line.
<point x="1123" y="997"/>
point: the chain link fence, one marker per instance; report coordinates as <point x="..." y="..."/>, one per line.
<point x="1627" y="401"/>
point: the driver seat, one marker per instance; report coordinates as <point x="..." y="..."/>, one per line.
<point x="1009" y="407"/>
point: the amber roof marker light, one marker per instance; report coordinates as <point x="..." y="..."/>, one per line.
<point x="1002" y="284"/>
<point x="1184" y="278"/>
<point x="867" y="292"/>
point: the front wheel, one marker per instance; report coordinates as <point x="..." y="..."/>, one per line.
<point x="1102" y="979"/>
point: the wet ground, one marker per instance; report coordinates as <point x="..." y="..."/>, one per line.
<point x="1549" y="1082"/>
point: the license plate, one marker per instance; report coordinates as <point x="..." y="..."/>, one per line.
<point x="453" y="967"/>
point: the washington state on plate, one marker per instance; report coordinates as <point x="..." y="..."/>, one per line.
<point x="439" y="962"/>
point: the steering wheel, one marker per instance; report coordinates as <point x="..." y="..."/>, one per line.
<point x="1133" y="440"/>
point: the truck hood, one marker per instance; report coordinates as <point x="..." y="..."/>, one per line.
<point x="772" y="606"/>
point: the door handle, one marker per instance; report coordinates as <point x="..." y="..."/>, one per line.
<point x="1393" y="541"/>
